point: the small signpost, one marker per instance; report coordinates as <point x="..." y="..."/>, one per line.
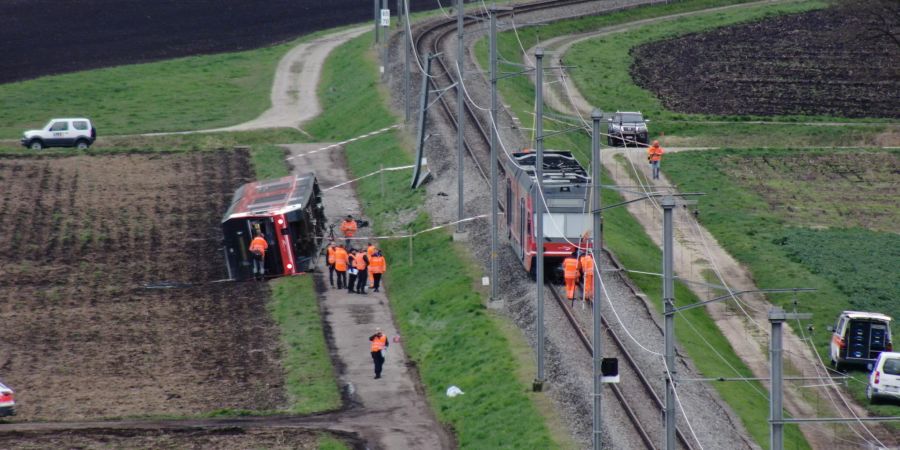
<point x="385" y="17"/>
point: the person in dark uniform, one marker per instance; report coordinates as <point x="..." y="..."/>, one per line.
<point x="379" y="347"/>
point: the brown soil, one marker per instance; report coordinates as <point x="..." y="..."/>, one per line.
<point x="214" y="439"/>
<point x="82" y="242"/>
<point x="837" y="62"/>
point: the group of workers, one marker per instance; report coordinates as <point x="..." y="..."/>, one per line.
<point x="575" y="268"/>
<point x="360" y="266"/>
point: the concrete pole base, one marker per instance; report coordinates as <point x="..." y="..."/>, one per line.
<point x="461" y="236"/>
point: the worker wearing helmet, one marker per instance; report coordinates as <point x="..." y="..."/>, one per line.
<point x="570" y="272"/>
<point x="654" y="155"/>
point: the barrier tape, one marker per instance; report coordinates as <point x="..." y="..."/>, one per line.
<point x="386" y="169"/>
<point x="364" y="136"/>
<point x="406" y="236"/>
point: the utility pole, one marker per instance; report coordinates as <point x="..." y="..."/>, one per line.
<point x="375" y="6"/>
<point x="540" y="210"/>
<point x="385" y="21"/>
<point x="777" y="317"/>
<point x="596" y="115"/>
<point x="494" y="139"/>
<point x="668" y="204"/>
<point x="407" y="38"/>
<point x="423" y="119"/>
<point x="460" y="114"/>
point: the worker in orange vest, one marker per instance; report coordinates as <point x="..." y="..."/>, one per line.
<point x="361" y="263"/>
<point x="258" y="247"/>
<point x="379" y="348"/>
<point x="587" y="269"/>
<point x="377" y="267"/>
<point x="654" y="155"/>
<point x="348" y="228"/>
<point x="330" y="252"/>
<point x="570" y="271"/>
<point x="370" y="252"/>
<point x="341" y="259"/>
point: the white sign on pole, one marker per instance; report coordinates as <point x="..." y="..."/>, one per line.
<point x="385" y="17"/>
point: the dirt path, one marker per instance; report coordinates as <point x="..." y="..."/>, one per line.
<point x="698" y="254"/>
<point x="395" y="412"/>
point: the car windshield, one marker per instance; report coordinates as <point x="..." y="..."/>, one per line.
<point x="631" y="118"/>
<point x="892" y="366"/>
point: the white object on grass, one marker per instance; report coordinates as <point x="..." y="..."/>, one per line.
<point x="453" y="391"/>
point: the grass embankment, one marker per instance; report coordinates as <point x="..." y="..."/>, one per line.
<point x="779" y="249"/>
<point x="696" y="332"/>
<point x="446" y="328"/>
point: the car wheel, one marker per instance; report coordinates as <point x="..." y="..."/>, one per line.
<point x="872" y="399"/>
<point x="82" y="145"/>
<point x="36" y="145"/>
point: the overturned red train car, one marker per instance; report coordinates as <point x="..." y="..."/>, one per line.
<point x="290" y="215"/>
<point x="566" y="222"/>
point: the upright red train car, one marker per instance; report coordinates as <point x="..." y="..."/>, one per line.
<point x="566" y="191"/>
<point x="290" y="215"/>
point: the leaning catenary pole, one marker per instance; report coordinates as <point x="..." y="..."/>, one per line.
<point x="538" y="202"/>
<point x="596" y="115"/>
<point x="668" y="204"/>
<point x="494" y="138"/>
<point x="460" y="111"/>
<point x="406" y="51"/>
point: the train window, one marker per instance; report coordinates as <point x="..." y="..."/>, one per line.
<point x="569" y="225"/>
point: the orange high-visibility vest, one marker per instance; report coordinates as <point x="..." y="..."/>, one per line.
<point x="340" y="259"/>
<point x="331" y="249"/>
<point x="379" y="343"/>
<point x="587" y="265"/>
<point x="377" y="264"/>
<point x="655" y="153"/>
<point x="570" y="267"/>
<point x="359" y="262"/>
<point x="258" y="244"/>
<point x="348" y="227"/>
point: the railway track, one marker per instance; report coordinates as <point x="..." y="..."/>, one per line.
<point x="622" y="353"/>
<point x="430" y="39"/>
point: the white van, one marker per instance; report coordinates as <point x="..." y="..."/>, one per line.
<point x="858" y="337"/>
<point x="884" y="380"/>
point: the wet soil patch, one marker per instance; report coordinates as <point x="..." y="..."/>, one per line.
<point x="81" y="238"/>
<point x="838" y="61"/>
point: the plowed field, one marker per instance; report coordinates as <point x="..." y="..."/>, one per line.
<point x="223" y="439"/>
<point x="41" y="37"/>
<point x="85" y="244"/>
<point x="831" y="62"/>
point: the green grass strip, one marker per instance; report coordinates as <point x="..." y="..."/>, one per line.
<point x="328" y="442"/>
<point x="444" y="324"/>
<point x="309" y="375"/>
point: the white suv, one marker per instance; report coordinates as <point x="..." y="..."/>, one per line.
<point x="884" y="380"/>
<point x="7" y="401"/>
<point x="79" y="133"/>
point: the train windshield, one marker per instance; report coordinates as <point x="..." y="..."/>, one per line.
<point x="566" y="225"/>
